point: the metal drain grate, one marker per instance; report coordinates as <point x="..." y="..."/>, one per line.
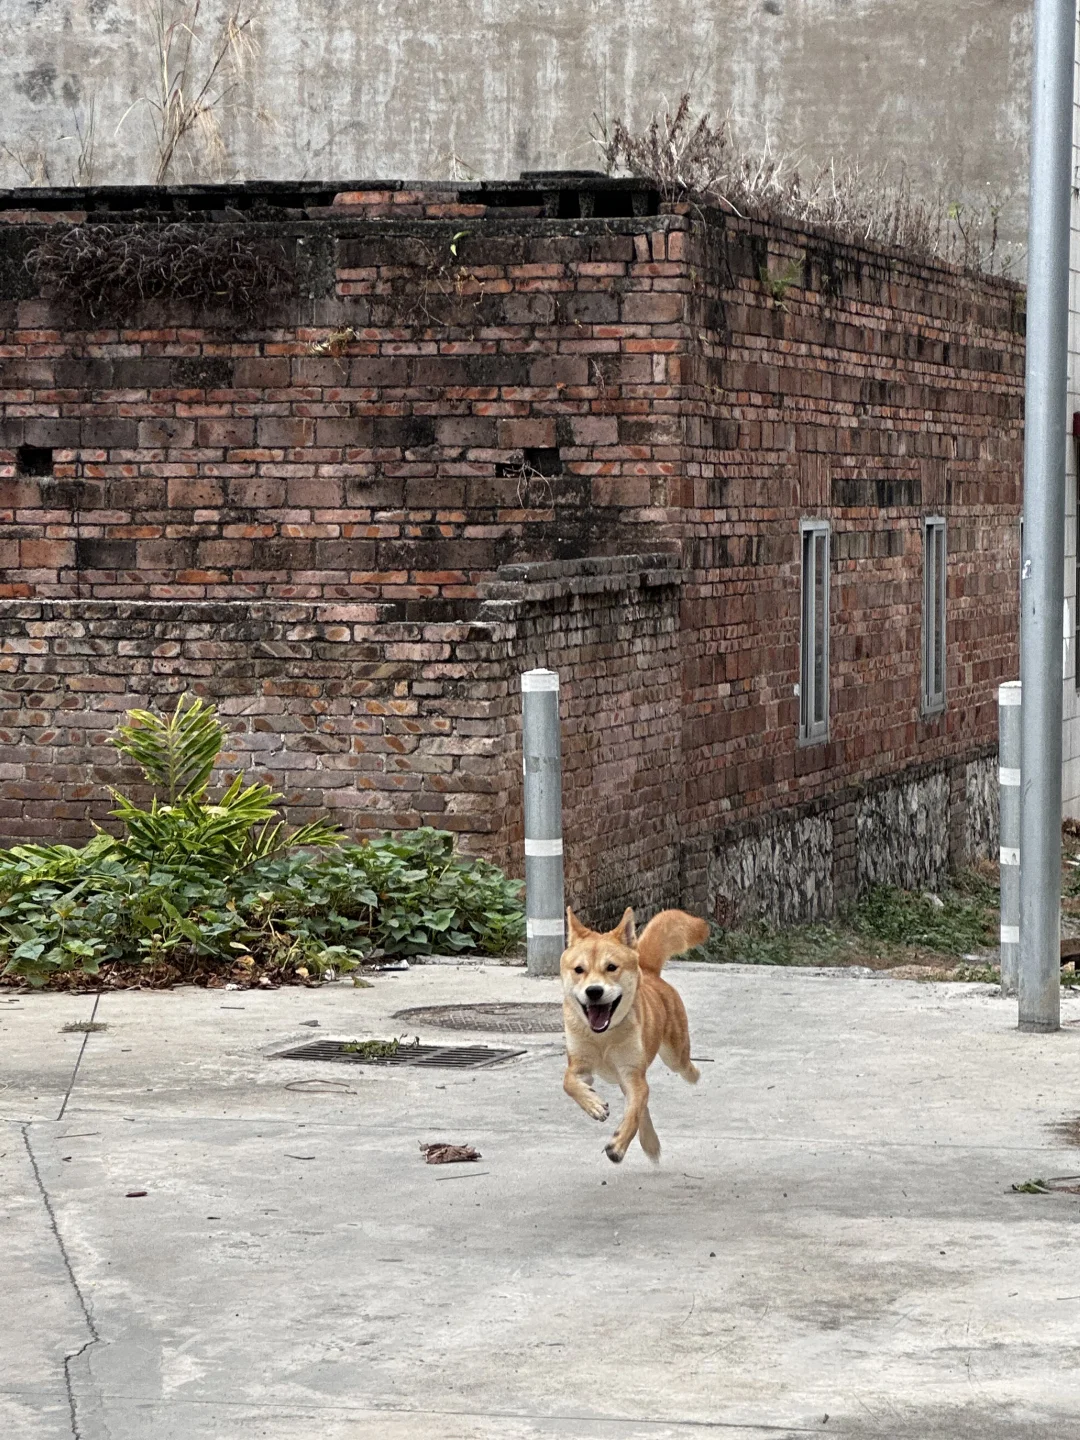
<point x="507" y="1017"/>
<point x="448" y="1057"/>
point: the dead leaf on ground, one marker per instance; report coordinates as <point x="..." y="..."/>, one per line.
<point x="440" y="1153"/>
<point x="1055" y="1185"/>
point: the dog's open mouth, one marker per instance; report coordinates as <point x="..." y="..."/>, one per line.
<point x="599" y="1016"/>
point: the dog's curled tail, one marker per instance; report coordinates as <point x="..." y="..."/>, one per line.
<point x="667" y="934"/>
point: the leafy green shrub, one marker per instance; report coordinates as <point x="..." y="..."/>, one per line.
<point x="194" y="886"/>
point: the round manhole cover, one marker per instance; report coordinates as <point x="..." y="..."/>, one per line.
<point x="509" y="1018"/>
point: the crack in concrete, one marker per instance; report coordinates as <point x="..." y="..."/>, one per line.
<point x="78" y="1058"/>
<point x="95" y="1338"/>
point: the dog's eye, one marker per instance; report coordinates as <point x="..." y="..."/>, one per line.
<point x="612" y="967"/>
<point x="579" y="969"/>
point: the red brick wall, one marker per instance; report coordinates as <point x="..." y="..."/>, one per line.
<point x="380" y="724"/>
<point x="505" y="385"/>
<point x="871" y="392"/>
<point x="198" y="461"/>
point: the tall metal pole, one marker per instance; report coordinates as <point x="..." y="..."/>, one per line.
<point x="1043" y="561"/>
<point x="541" y="745"/>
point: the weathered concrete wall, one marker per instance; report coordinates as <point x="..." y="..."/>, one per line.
<point x="493" y="87"/>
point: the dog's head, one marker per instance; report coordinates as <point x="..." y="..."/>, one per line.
<point x="600" y="972"/>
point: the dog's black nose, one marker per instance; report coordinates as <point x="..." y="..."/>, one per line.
<point x="594" y="992"/>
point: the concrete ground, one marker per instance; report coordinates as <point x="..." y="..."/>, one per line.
<point x="830" y="1245"/>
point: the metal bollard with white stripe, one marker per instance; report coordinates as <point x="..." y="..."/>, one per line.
<point x="542" y="761"/>
<point x="1009" y="797"/>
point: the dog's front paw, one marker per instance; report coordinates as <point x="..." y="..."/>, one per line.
<point x="596" y="1107"/>
<point x="613" y="1153"/>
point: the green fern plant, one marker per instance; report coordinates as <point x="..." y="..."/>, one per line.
<point x="177" y="755"/>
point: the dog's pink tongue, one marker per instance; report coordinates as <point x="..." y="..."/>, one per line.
<point x="599" y="1016"/>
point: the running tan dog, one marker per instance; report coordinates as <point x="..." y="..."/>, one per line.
<point x="619" y="1014"/>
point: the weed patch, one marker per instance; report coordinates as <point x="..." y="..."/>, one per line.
<point x="947" y="925"/>
<point x="886" y="929"/>
<point x="376" y="1049"/>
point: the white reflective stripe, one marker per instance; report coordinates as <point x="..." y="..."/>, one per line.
<point x="534" y="929"/>
<point x="1008" y="776"/>
<point x="539" y="680"/>
<point x="1010" y="934"/>
<point x="1007" y="855"/>
<point x="543" y="848"/>
<point x="1009" y="693"/>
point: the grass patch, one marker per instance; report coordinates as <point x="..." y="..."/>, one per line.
<point x="766" y="945"/>
<point x="885" y="929"/>
<point x="949" y="924"/>
<point x="375" y="1049"/>
<point x="82" y="1027"/>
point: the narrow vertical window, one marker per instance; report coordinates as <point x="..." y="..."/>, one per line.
<point x="814" y="637"/>
<point x="934" y="577"/>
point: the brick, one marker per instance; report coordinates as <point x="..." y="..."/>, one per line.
<point x="262" y="493"/>
<point x="650" y="307"/>
<point x="232" y="431"/>
<point x="45" y="554"/>
<point x="289" y="432"/>
<point x="165" y="432"/>
<point x="201" y="372"/>
<point x="403" y="432"/>
<point x="191" y="492"/>
<point x="55" y="434"/>
<point x="594" y="430"/>
<point x="588" y="307"/>
<point x="102" y="434"/>
<point x="467" y="431"/>
<point x="262" y="373"/>
<point x="105" y="554"/>
<point x="379" y="372"/>
<point x="517" y="434"/>
<point x="556" y="370"/>
<point x="349" y="431"/>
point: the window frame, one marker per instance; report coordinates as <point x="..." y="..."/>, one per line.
<point x="935" y="616"/>
<point x="813" y="731"/>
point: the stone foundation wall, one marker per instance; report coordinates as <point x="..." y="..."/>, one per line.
<point x="782" y="874"/>
<point x="799" y="865"/>
<point x="982" y="833"/>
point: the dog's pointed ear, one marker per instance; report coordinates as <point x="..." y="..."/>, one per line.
<point x="624" y="932"/>
<point x="574" y="927"/>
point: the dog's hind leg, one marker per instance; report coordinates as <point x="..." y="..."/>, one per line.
<point x="681" y="1063"/>
<point x="675" y="1045"/>
<point x="577" y="1082"/>
<point x="650" y="1141"/>
<point x="636" y="1089"/>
